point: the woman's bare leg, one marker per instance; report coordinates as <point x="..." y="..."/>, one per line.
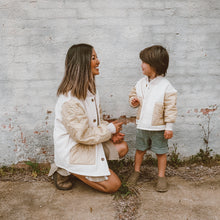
<point x="109" y="186"/>
<point x="122" y="148"/>
<point x="113" y="183"/>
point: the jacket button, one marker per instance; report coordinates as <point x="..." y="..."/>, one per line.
<point x="92" y="100"/>
<point x="102" y="158"/>
<point x="94" y="120"/>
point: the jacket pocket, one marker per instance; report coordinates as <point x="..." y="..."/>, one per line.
<point x="158" y="114"/>
<point x="139" y="109"/>
<point x="83" y="155"/>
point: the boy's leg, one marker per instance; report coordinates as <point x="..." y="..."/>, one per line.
<point x="162" y="163"/>
<point x="138" y="160"/>
<point x="160" y="147"/>
<point x="162" y="185"/>
<point x="132" y="180"/>
<point x="142" y="140"/>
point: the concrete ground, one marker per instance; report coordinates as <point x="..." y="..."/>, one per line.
<point x="41" y="200"/>
<point x="184" y="201"/>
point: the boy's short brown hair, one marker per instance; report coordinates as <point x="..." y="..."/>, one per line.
<point x="157" y="57"/>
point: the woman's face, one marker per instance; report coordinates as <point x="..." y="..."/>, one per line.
<point x="94" y="63"/>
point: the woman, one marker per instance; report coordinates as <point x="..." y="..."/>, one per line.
<point x="82" y="141"/>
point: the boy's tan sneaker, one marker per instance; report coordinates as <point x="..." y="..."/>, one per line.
<point x="132" y="180"/>
<point x="162" y="185"/>
<point x="62" y="182"/>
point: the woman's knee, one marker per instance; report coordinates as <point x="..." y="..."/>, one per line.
<point x="113" y="187"/>
<point x="123" y="149"/>
<point x="113" y="183"/>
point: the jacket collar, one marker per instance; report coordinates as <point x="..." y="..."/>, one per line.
<point x="155" y="80"/>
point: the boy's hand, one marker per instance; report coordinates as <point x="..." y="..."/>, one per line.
<point x="118" y="125"/>
<point x="117" y="138"/>
<point x="168" y="134"/>
<point x="135" y="102"/>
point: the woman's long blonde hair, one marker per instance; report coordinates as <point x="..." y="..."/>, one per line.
<point x="78" y="77"/>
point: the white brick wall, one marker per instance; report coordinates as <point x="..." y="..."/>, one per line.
<point x="35" y="35"/>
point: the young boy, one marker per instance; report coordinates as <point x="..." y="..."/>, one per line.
<point x="156" y="99"/>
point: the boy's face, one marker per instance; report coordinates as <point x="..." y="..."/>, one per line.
<point x="148" y="70"/>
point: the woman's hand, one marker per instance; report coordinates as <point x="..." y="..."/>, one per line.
<point x="118" y="125"/>
<point x="117" y="138"/>
<point x="168" y="134"/>
<point x="135" y="102"/>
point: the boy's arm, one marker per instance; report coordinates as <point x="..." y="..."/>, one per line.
<point x="133" y="100"/>
<point x="168" y="134"/>
<point x="170" y="110"/>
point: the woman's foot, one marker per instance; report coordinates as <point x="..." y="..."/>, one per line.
<point x="62" y="182"/>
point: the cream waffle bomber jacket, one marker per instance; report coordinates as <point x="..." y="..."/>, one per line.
<point x="78" y="136"/>
<point x="157" y="110"/>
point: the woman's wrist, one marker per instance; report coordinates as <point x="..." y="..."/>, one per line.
<point x="111" y="128"/>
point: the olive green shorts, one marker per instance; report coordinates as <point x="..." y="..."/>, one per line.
<point x="151" y="140"/>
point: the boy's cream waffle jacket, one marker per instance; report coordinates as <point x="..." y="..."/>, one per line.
<point x="157" y="109"/>
<point x="78" y="137"/>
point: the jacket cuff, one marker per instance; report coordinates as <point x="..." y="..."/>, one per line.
<point x="130" y="100"/>
<point x="169" y="126"/>
<point x="111" y="128"/>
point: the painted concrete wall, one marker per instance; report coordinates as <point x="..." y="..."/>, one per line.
<point x="35" y="35"/>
